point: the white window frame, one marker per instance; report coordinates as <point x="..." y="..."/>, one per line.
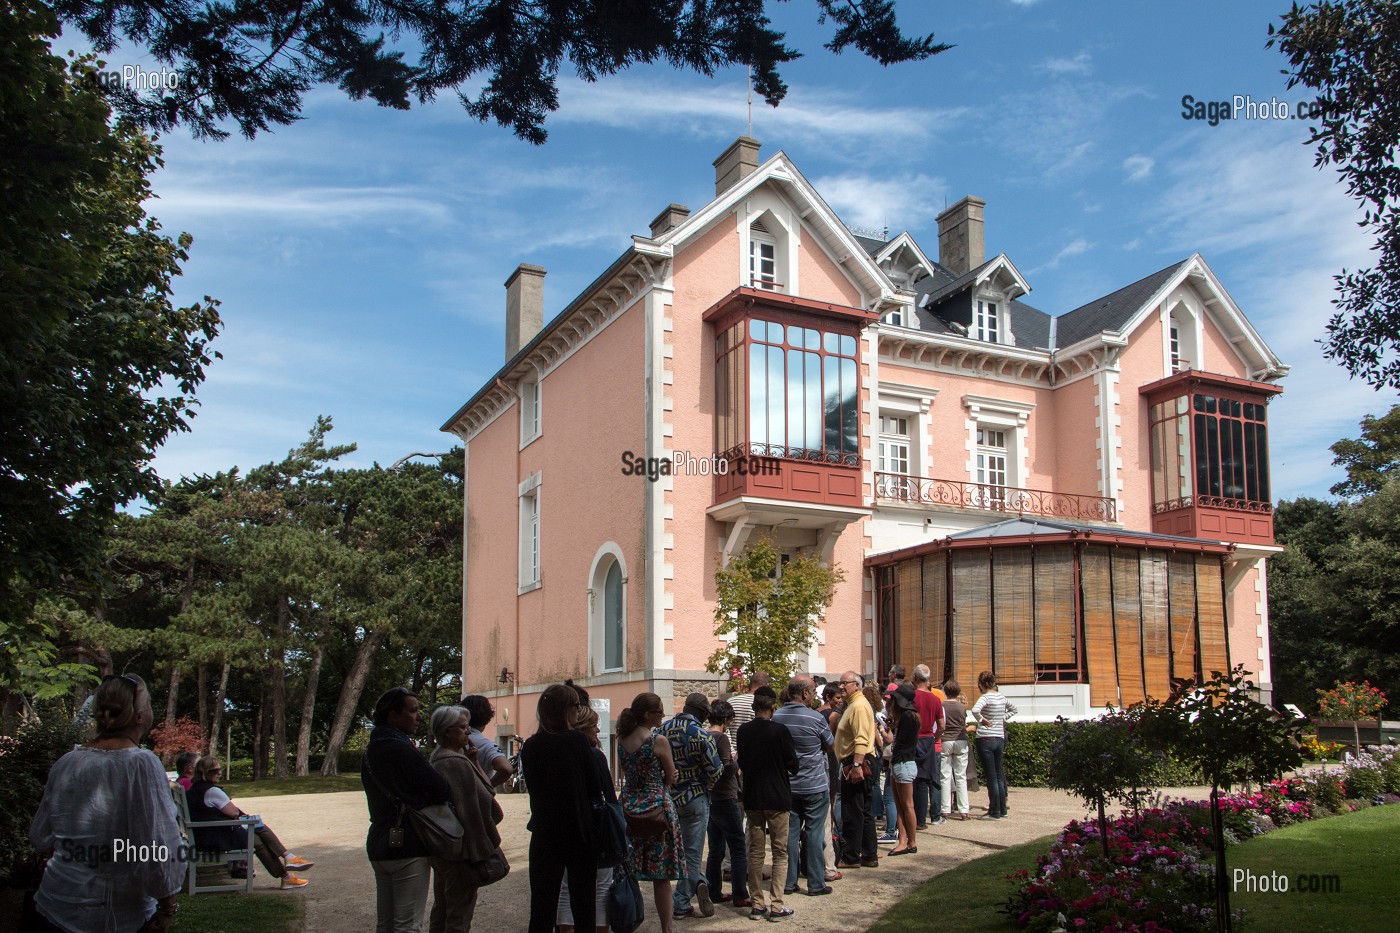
<point x="531" y="411"/>
<point x="896" y="316"/>
<point x="1012" y="418"/>
<point x="1183" y="335"/>
<point x="531" y="572"/>
<point x="988" y="326"/>
<point x="898" y="400"/>
<point x="777" y="222"/>
<point x="609" y="555"/>
<point x="768" y="281"/>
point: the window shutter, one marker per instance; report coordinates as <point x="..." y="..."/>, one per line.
<point x="1210" y="598"/>
<point x="1054" y="605"/>
<point x="1013" y="610"/>
<point x="972" y="622"/>
<point x="1127" y="624"/>
<point x="1096" y="580"/>
<point x="1156" y="633"/>
<point x="1181" y="583"/>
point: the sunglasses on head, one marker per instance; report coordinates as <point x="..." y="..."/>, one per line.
<point x="127" y="678"/>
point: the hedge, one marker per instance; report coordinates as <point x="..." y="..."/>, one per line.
<point x="1028" y="750"/>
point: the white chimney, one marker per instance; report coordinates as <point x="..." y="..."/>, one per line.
<point x="524" y="306"/>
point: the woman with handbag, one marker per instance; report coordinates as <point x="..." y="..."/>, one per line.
<point x="396" y="776"/>
<point x="562" y="779"/>
<point x="456" y="882"/>
<point x="648" y="770"/>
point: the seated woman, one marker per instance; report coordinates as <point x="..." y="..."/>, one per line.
<point x="207" y="802"/>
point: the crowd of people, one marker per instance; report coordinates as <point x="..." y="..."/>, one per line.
<point x="811" y="783"/>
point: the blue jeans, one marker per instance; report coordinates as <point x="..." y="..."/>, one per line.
<point x="991" y="751"/>
<point x="807" y="819"/>
<point x="694" y="820"/>
<point x="882" y="780"/>
<point x="727" y="828"/>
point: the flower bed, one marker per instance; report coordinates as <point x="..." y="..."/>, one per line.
<point x="1159" y="874"/>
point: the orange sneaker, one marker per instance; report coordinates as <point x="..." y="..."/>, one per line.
<point x="297" y="862"/>
<point x="290" y="880"/>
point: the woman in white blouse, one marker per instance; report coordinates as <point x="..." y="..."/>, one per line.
<point x="108" y="819"/>
<point x="991" y="711"/>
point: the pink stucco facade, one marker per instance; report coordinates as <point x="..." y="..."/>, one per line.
<point x="991" y="432"/>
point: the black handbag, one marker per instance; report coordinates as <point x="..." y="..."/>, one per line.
<point x="610" y="833"/>
<point x="625" y="910"/>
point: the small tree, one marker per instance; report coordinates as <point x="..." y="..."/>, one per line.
<point x="180" y="735"/>
<point x="1103" y="759"/>
<point x="772" y="616"/>
<point x="1230" y="736"/>
<point x="1352" y="702"/>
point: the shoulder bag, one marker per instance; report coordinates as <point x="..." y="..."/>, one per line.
<point x="625" y="910"/>
<point x="491" y="869"/>
<point x="435" y="823"/>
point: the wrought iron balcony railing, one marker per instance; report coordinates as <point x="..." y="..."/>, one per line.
<point x="958" y="494"/>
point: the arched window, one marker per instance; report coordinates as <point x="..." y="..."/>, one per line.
<point x="607" y="611"/>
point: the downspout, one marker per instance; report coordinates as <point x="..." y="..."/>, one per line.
<point x="515" y="681"/>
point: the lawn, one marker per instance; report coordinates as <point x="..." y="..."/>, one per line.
<point x="271" y="912"/>
<point x="1360" y="850"/>
<point x="311" y="784"/>
<point x="968" y="898"/>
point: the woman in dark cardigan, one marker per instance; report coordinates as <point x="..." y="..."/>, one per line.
<point x="394" y="771"/>
<point x="560" y="773"/>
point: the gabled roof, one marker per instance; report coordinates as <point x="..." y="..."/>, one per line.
<point x="1113" y="311"/>
<point x="850" y="250"/>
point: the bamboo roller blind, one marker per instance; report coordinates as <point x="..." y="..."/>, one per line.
<point x="935" y="653"/>
<point x="1054" y="604"/>
<point x="1013" y="608"/>
<point x="1210" y="602"/>
<point x="972" y="618"/>
<point x="1097" y="585"/>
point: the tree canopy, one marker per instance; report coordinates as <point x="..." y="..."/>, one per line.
<point x="1370" y="458"/>
<point x="97" y="366"/>
<point x="1349" y="52"/>
<point x="252" y="63"/>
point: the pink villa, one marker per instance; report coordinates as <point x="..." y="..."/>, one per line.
<point x="1079" y="501"/>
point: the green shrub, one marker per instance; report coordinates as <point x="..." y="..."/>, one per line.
<point x="1363" y="783"/>
<point x="1027" y="758"/>
<point x="25" y="760"/>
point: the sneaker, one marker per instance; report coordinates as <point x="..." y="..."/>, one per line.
<point x="833" y="875"/>
<point x="290" y="880"/>
<point x="743" y="902"/>
<point x="702" y="897"/>
<point x="682" y="914"/>
<point x="921" y="826"/>
<point x="297" y="863"/>
<point x="870" y="863"/>
<point x="791" y="890"/>
<point x="758" y="913"/>
<point x="938" y="822"/>
<point x="818" y="892"/>
<point x="887" y="838"/>
<point x="779" y="914"/>
<point x="722" y="898"/>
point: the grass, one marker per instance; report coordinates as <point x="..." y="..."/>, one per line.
<point x="967" y="898"/>
<point x="270" y="912"/>
<point x="311" y="784"/>
<point x="1361" y="849"/>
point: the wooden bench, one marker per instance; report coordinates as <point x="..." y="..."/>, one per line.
<point x="209" y="857"/>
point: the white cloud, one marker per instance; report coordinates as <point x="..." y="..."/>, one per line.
<point x="1075" y="247"/>
<point x="720" y="111"/>
<point x="313" y="204"/>
<point x="1078" y="65"/>
<point x="1133" y="244"/>
<point x="1138" y="167"/>
<point x="902" y="202"/>
<point x="1058" y="125"/>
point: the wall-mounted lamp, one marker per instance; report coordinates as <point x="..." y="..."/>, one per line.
<point x="506" y="676"/>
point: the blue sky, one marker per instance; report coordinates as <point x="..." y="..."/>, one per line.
<point x="360" y="254"/>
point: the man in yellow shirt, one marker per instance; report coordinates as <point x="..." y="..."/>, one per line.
<point x="855" y="742"/>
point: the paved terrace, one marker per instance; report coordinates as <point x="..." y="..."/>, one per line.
<point x="330" y="828"/>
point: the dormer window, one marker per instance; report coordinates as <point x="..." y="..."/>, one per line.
<point x="896" y="317"/>
<point x="763" y="257"/>
<point x="987" y="326"/>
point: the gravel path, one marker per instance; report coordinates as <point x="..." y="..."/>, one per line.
<point x="330" y="828"/>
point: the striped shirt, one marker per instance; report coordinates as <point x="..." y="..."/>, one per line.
<point x="990" y="712"/>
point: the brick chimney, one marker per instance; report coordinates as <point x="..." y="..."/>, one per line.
<point x="960" y="245"/>
<point x="524" y="306"/>
<point x="671" y="217"/>
<point x="737" y="162"/>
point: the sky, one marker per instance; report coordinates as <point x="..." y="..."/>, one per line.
<point x="360" y="254"/>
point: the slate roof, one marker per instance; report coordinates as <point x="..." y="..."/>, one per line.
<point x="1112" y="311"/>
<point x="1030" y="326"/>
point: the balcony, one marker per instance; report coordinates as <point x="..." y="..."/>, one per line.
<point x="957" y="494"/>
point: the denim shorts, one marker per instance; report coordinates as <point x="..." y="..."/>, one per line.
<point x="904" y="772"/>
